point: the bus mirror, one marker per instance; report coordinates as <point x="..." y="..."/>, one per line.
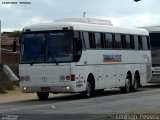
<point x="79" y="45"/>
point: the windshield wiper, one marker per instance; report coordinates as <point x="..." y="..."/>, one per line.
<point x="50" y="54"/>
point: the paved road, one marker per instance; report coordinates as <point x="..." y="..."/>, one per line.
<point x="73" y="107"/>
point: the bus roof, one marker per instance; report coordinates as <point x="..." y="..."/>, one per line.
<point x="92" y="26"/>
<point x="152" y="29"/>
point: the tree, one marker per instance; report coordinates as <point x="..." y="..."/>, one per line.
<point x="16" y="34"/>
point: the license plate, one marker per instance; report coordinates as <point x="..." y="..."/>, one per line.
<point x="45" y="89"/>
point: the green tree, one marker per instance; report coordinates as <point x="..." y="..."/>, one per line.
<point x="16" y="34"/>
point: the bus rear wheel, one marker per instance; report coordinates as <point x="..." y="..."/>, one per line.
<point x="43" y="95"/>
<point x="135" y="84"/>
<point x="127" y="87"/>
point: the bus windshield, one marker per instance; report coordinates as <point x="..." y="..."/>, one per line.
<point x="48" y="47"/>
<point x="155" y="46"/>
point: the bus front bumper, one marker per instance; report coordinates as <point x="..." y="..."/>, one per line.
<point x="51" y="89"/>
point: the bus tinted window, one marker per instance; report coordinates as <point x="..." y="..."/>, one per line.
<point x="109" y="40"/>
<point x="91" y="40"/>
<point x="97" y="40"/>
<point x="132" y="42"/>
<point x="155" y="40"/>
<point x="144" y="42"/>
<point x="118" y="41"/>
<point x="78" y="36"/>
<point x="140" y="45"/>
<point x="86" y="39"/>
<point x="136" y="42"/>
<point x="128" y="41"/>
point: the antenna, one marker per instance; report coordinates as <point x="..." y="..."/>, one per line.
<point x="84" y="14"/>
<point x="136" y="0"/>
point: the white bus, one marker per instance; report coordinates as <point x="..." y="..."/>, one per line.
<point x="82" y="56"/>
<point x="154" y="33"/>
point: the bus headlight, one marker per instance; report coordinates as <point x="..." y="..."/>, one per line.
<point x="24" y="88"/>
<point x="67" y="88"/>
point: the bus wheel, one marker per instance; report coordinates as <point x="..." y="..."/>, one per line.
<point x="135" y="85"/>
<point x="88" y="92"/>
<point x="43" y="95"/>
<point x="127" y="87"/>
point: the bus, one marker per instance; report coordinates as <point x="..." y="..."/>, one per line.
<point x="83" y="56"/>
<point x="154" y="33"/>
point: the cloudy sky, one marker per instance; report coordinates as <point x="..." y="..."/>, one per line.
<point x="125" y="13"/>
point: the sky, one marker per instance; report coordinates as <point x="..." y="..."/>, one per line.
<point x="123" y="13"/>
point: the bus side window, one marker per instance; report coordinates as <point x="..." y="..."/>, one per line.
<point x="118" y="41"/>
<point x="132" y="42"/>
<point x="140" y="45"/>
<point x="97" y="37"/>
<point x="109" y="40"/>
<point x="123" y="42"/>
<point x="86" y="40"/>
<point x="145" y="42"/>
<point x="128" y="41"/>
<point x="103" y="42"/>
<point x="79" y="35"/>
<point x="91" y="40"/>
<point x="136" y="42"/>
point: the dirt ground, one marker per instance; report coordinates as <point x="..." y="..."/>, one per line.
<point x="17" y="95"/>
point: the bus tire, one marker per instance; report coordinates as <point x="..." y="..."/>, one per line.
<point x="135" y="84"/>
<point x="89" y="90"/>
<point x="42" y="95"/>
<point x="127" y="87"/>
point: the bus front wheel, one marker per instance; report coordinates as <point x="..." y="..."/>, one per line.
<point x="43" y="95"/>
<point x="88" y="92"/>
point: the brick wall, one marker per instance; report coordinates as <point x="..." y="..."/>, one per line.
<point x="10" y="57"/>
